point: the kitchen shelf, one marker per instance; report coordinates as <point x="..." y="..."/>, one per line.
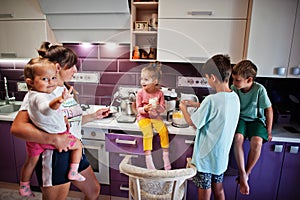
<point x="143" y="38"/>
<point x="144" y="32"/>
<point x="145" y="5"/>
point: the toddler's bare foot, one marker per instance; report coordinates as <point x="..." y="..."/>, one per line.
<point x="244" y="187"/>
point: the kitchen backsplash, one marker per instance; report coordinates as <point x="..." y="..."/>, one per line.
<point x="115" y="69"/>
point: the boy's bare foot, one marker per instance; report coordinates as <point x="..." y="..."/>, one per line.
<point x="244" y="187"/>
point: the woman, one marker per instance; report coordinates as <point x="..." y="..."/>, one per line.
<point x="57" y="185"/>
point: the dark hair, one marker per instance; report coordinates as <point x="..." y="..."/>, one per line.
<point x="218" y="65"/>
<point x="65" y="57"/>
<point x="245" y="69"/>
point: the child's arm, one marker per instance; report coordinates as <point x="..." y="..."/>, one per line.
<point x="186" y="114"/>
<point x="55" y="103"/>
<point x="269" y="121"/>
<point x="191" y="103"/>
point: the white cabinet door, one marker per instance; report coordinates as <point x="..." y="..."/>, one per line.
<point x="294" y="64"/>
<point x="22" y="38"/>
<point x="270" y="36"/>
<point x="203" y="9"/>
<point x="187" y="40"/>
<point x="20" y="9"/>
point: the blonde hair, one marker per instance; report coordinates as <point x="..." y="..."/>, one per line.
<point x="32" y="66"/>
<point x="154" y="71"/>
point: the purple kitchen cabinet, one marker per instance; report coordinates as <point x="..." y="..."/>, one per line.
<point x="290" y="174"/>
<point x="7" y="155"/>
<point x="265" y="176"/>
<point x="229" y="183"/>
<point x="123" y="143"/>
<point x="181" y="147"/>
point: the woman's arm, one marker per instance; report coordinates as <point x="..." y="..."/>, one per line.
<point x="99" y="114"/>
<point x="24" y="129"/>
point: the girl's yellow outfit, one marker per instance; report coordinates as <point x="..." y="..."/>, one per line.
<point x="146" y="125"/>
<point x="149" y="122"/>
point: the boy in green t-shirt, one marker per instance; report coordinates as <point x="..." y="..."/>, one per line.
<point x="256" y="118"/>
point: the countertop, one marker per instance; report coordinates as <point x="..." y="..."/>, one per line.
<point x="280" y="134"/>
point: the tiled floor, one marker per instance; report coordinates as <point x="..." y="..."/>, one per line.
<point x="9" y="191"/>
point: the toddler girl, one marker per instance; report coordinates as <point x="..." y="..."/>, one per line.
<point x="44" y="111"/>
<point x="150" y="103"/>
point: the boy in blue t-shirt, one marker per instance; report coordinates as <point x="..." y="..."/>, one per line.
<point x="215" y="121"/>
<point x="256" y="119"/>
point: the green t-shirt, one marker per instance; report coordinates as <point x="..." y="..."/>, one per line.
<point x="253" y="103"/>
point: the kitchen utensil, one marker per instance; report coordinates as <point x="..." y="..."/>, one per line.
<point x="113" y="99"/>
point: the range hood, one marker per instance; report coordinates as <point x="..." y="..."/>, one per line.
<point x="94" y="21"/>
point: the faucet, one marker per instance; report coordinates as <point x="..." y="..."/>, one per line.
<point x="7" y="98"/>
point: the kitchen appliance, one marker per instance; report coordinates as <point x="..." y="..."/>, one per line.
<point x="177" y="119"/>
<point x="127" y="104"/>
<point x="171" y="99"/>
<point x="191" y="97"/>
<point x="93" y="140"/>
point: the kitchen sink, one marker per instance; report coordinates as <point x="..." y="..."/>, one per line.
<point x="9" y="108"/>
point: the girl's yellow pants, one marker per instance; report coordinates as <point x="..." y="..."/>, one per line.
<point x="146" y="125"/>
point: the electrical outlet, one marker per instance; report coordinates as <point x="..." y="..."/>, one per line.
<point x="192" y="81"/>
<point x="22" y="87"/>
<point x="85" y="77"/>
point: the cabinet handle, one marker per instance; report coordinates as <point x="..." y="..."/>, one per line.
<point x="133" y="142"/>
<point x="193" y="13"/>
<point x="9" y="55"/>
<point x="278" y="148"/>
<point x="123" y="155"/>
<point x="189" y="142"/>
<point x="6" y="15"/>
<point x="124" y="188"/>
<point x="294" y="149"/>
<point x="197" y="59"/>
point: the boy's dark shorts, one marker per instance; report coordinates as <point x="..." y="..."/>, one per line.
<point x="252" y="128"/>
<point x="60" y="167"/>
<point x="204" y="180"/>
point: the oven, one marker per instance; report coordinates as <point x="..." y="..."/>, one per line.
<point x="93" y="140"/>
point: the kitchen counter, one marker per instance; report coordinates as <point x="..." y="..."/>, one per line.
<point x="279" y="133"/>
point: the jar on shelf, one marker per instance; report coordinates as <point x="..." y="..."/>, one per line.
<point x="136" y="53"/>
<point x="152" y="53"/>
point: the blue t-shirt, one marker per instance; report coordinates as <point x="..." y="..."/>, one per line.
<point x="216" y="120"/>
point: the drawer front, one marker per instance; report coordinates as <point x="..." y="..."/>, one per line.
<point x="122" y="143"/>
<point x="116" y="158"/>
<point x="119" y="188"/>
<point x="93" y="133"/>
<point x="115" y="174"/>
